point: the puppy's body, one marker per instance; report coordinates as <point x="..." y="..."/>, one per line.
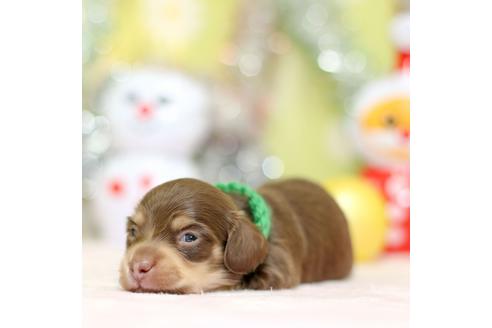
<point x="192" y="237"/>
<point x="309" y="240"/>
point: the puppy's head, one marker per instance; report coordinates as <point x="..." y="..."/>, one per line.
<point x="187" y="236"/>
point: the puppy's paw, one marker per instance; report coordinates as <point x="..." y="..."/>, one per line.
<point x="267" y="278"/>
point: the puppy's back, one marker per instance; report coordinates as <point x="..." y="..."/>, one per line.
<point x="328" y="252"/>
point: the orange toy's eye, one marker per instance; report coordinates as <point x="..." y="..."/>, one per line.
<point x="116" y="188"/>
<point x="388" y="114"/>
<point x="390" y="121"/>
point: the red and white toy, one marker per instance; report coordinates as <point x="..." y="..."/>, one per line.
<point x="381" y="129"/>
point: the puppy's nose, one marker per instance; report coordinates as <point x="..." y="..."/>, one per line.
<point x="140" y="268"/>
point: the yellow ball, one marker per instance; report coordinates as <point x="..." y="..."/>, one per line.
<point x="364" y="207"/>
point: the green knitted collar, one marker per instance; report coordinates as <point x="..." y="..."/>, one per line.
<point x="257" y="204"/>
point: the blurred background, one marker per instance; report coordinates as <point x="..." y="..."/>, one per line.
<point x="249" y="91"/>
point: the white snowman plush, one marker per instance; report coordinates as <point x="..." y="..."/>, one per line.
<point x="156" y="109"/>
<point x="158" y="118"/>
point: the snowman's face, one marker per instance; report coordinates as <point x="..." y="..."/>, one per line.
<point x="384" y="131"/>
<point x="156" y="109"/>
<point x="122" y="181"/>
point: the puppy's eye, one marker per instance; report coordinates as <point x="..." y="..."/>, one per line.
<point x="132" y="232"/>
<point x="188" y="238"/>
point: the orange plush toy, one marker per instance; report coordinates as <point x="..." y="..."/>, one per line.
<point x="381" y="129"/>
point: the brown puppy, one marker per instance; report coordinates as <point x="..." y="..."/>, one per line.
<point x="186" y="236"/>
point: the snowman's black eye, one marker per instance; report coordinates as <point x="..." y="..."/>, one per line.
<point x="390" y="121"/>
<point x="163" y="100"/>
<point x="131" y="97"/>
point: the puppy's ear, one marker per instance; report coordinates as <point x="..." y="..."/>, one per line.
<point x="246" y="247"/>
